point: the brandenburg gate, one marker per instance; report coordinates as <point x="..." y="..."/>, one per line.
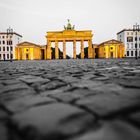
<point x="69" y="34"/>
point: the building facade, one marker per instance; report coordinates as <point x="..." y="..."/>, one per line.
<point x="109" y="49"/>
<point x="130" y="40"/>
<point x="8" y="43"/>
<point x="30" y="51"/>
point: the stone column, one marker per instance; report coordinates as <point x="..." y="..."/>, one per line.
<point x="18" y="53"/>
<point x="121" y="51"/>
<point x="23" y="54"/>
<point x="116" y="51"/>
<point x="45" y="54"/>
<point x="109" y="55"/>
<point x="20" y="56"/>
<point x="93" y="52"/>
<point x="56" y="50"/>
<point x="74" y="49"/>
<point x="90" y="53"/>
<point x="29" y="53"/>
<point x="82" y="49"/>
<point x="107" y="51"/>
<point x="49" y="50"/>
<point x="64" y="49"/>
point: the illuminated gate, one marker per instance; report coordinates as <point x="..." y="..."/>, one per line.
<point x="69" y="35"/>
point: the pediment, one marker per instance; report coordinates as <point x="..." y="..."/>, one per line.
<point x="113" y="41"/>
<point x="27" y="44"/>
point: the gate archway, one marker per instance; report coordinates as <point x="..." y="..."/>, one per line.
<point x="69" y="34"/>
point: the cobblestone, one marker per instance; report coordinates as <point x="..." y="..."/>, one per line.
<point x="3" y="131"/>
<point x="70" y="100"/>
<point x="27" y="102"/>
<point x="71" y="96"/>
<point x="106" y="104"/>
<point x="32" y="79"/>
<point x="135" y="118"/>
<point x="54" y="120"/>
<point x="116" y="130"/>
<point x="3" y="114"/>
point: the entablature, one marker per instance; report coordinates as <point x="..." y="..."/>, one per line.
<point x="71" y="39"/>
<point x="69" y="34"/>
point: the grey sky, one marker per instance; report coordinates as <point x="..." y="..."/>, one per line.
<point x="33" y="18"/>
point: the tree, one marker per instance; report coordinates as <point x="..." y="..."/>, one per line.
<point x="60" y="54"/>
<point x="85" y="53"/>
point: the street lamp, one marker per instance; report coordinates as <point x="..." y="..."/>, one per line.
<point x="136" y="28"/>
<point x="10" y="32"/>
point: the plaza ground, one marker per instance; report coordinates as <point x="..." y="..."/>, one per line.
<point x="82" y="99"/>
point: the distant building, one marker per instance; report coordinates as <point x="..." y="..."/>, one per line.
<point x="128" y="37"/>
<point x="8" y="44"/>
<point x="30" y="51"/>
<point x="109" y="49"/>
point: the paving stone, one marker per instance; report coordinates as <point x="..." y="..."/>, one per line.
<point x="128" y="68"/>
<point x="11" y="82"/>
<point x="53" y="121"/>
<point x="10" y="95"/>
<point x="50" y="76"/>
<point x="68" y="79"/>
<point x="127" y="76"/>
<point x="13" y="87"/>
<point x="87" y="84"/>
<point x="73" y="95"/>
<point x="5" y="76"/>
<point x="107" y="87"/>
<point x="106" y="104"/>
<point x="51" y="92"/>
<point x="116" y="130"/>
<point x="135" y="117"/>
<point x="103" y="78"/>
<point x="130" y="83"/>
<point x="29" y="79"/>
<point x="88" y="76"/>
<point x="3" y="114"/>
<point x="3" y="131"/>
<point x="27" y="102"/>
<point x="1" y="85"/>
<point x="14" y="91"/>
<point x="52" y="85"/>
<point x="136" y="71"/>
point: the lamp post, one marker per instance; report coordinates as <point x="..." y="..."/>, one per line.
<point x="136" y="29"/>
<point x="10" y="32"/>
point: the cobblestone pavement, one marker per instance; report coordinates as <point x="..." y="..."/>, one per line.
<point x="70" y="100"/>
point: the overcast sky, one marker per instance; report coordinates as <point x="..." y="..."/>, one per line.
<point x="33" y="18"/>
